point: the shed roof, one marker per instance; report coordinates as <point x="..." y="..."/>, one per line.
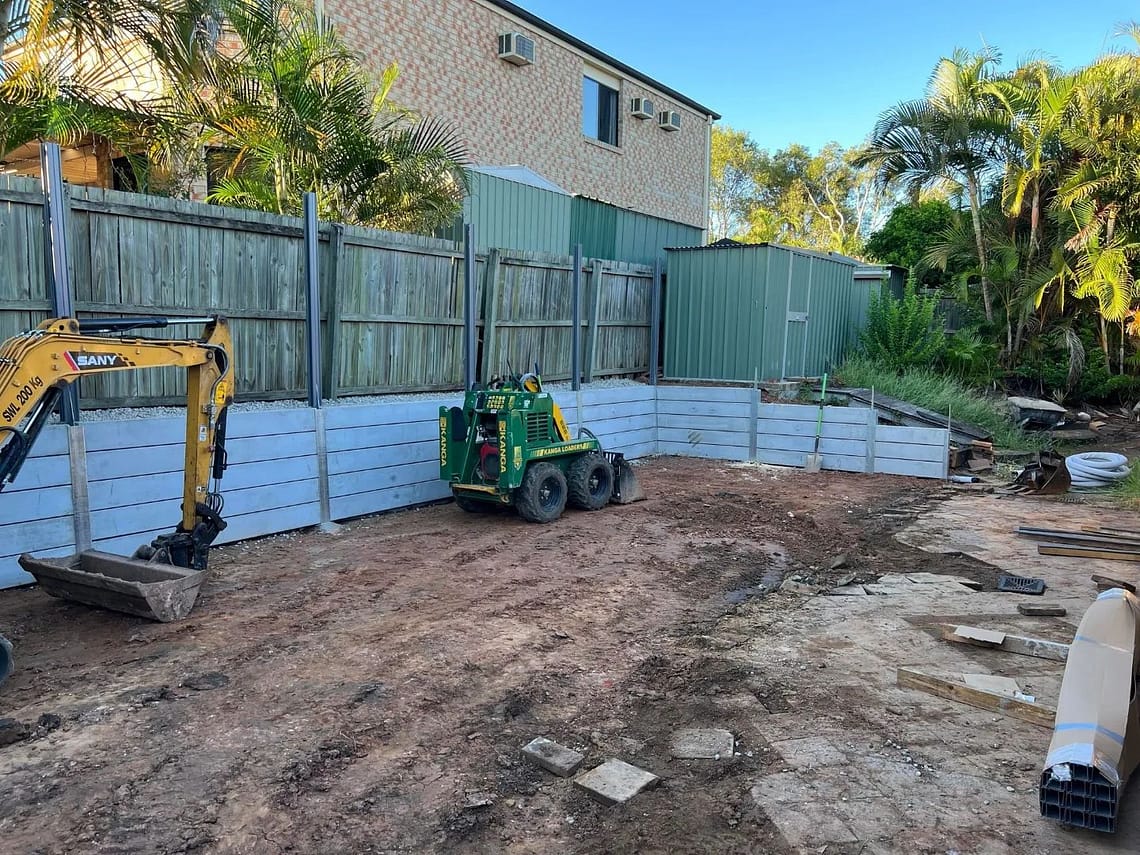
<point x="728" y="243"/>
<point x="521" y="175"/>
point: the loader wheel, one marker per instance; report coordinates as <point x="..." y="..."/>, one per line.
<point x="541" y="497"/>
<point x="590" y="479"/>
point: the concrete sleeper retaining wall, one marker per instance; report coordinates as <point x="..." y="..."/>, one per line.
<point x="117" y="484"/>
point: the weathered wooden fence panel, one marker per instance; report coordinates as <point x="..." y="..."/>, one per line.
<point x="398" y="313"/>
<point x="24" y="295"/>
<point x="529" y="315"/>
<point x="173" y="259"/>
<point x="391" y="304"/>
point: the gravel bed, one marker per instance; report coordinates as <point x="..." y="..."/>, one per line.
<point x="130" y="413"/>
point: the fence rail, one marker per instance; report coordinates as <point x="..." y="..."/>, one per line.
<point x="391" y="304"/>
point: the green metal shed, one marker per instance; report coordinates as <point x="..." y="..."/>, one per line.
<point x="607" y="231"/>
<point x="737" y="311"/>
<point x="513" y="207"/>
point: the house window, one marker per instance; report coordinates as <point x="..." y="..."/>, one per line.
<point x="130" y="174"/>
<point x="599" y="111"/>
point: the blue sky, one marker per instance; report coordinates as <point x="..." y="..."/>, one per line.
<point x="812" y="72"/>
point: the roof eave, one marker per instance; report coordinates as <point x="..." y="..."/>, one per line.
<point x="549" y="28"/>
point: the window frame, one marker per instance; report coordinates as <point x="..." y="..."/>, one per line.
<point x="606" y="88"/>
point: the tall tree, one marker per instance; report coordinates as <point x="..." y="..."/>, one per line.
<point x="821" y="200"/>
<point x="1036" y="98"/>
<point x="732" y="181"/>
<point x="952" y="136"/>
<point x="77" y="68"/>
<point x="907" y="236"/>
<point x="297" y="114"/>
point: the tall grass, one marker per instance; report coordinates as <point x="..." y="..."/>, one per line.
<point x="940" y="393"/>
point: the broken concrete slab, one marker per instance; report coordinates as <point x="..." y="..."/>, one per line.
<point x="940" y="579"/>
<point x="1042" y="609"/>
<point x="889" y="590"/>
<point x="797" y="587"/>
<point x="553" y="757"/>
<point x="810" y="826"/>
<point x="993" y="683"/>
<point x="984" y="636"/>
<point x="703" y="744"/>
<point x="810" y="752"/>
<point x="615" y="782"/>
<point x="848" y="591"/>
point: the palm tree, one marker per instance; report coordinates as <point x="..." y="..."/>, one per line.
<point x="1036" y="99"/>
<point x="297" y="114"/>
<point x="73" y="69"/>
<point x="1095" y="200"/>
<point x="950" y="137"/>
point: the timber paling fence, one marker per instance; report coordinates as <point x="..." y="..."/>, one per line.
<point x="389" y="306"/>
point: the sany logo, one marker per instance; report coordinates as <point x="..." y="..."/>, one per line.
<point x="92" y="361"/>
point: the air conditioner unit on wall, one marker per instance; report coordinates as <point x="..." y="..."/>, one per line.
<point x="669" y="120"/>
<point x="642" y="108"/>
<point x="516" y="48"/>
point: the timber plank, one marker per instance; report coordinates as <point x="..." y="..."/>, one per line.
<point x="1034" y="713"/>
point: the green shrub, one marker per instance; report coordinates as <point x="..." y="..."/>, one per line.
<point x="1049" y="368"/>
<point x="903" y="333"/>
<point x="941" y="393"/>
<point x="970" y="357"/>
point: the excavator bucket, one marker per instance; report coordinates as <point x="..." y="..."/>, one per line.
<point x="160" y="592"/>
<point x="1046" y="476"/>
<point x="627" y="489"/>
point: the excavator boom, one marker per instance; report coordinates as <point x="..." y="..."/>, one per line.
<point x="161" y="580"/>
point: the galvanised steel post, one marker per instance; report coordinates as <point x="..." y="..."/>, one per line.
<point x="312" y="301"/>
<point x="58" y="270"/>
<point x="655" y="324"/>
<point x="576" y="321"/>
<point x="469" y="339"/>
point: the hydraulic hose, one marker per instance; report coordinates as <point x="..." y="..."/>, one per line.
<point x="1097" y="469"/>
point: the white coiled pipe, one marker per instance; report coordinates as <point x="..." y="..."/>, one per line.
<point x="1097" y="469"/>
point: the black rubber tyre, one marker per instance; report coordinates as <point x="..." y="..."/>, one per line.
<point x="474" y="506"/>
<point x="5" y="658"/>
<point x="590" y="480"/>
<point x="541" y="498"/>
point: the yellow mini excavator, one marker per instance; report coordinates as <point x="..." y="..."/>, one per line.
<point x="161" y="580"/>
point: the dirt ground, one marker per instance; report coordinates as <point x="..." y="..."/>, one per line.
<point x="369" y="691"/>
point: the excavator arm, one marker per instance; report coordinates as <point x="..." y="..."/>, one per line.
<point x="161" y="580"/>
<point x="37" y="366"/>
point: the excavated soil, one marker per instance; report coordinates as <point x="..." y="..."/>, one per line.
<point x="370" y="691"/>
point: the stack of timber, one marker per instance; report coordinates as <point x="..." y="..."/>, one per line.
<point x="1110" y="544"/>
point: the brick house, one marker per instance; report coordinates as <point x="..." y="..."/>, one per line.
<point x="556" y="105"/>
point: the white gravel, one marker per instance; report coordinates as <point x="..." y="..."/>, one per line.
<point x="129" y="413"/>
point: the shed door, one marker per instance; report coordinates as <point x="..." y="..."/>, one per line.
<point x="799" y="305"/>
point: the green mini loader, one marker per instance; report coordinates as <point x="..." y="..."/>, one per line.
<point x="509" y="446"/>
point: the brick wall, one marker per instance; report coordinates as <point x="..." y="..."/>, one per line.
<point x="447" y="52"/>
